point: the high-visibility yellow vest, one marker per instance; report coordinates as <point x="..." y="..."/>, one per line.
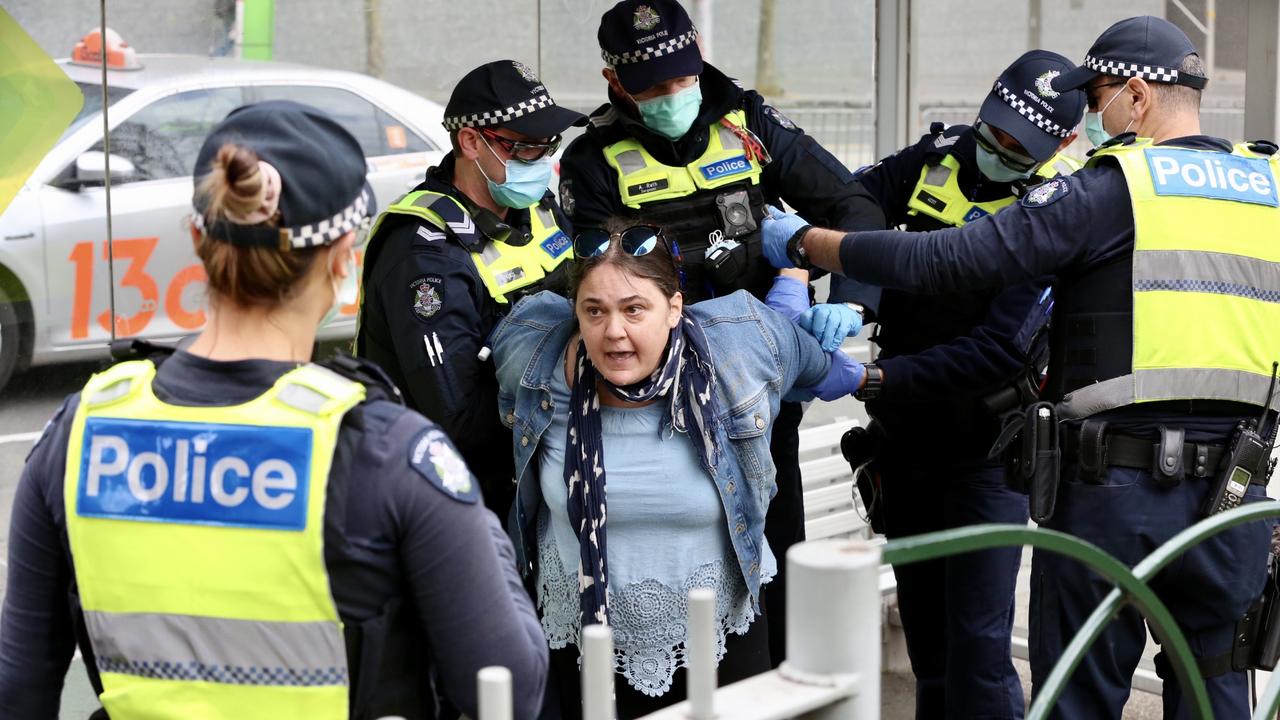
<point x="1205" y="276"/>
<point x="503" y="268"/>
<point x="197" y="535"/>
<point x="642" y="179"/>
<point x="937" y="193"/>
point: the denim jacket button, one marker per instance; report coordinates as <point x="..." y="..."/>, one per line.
<point x="754" y="568"/>
<point x="511" y="418"/>
<point x="759" y="423"/>
<point x="730" y="487"/>
<point x="524" y="441"/>
<point x="545" y="405"/>
<point x="741" y="528"/>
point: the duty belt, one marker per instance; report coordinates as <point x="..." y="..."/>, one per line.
<point x="1169" y="460"/>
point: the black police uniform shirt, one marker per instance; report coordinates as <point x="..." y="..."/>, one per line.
<point x="943" y="353"/>
<point x="409" y="562"/>
<point x="802" y="172"/>
<point x="430" y="349"/>
<point x="1086" y="221"/>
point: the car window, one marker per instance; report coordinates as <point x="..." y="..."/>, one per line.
<point x="93" y="104"/>
<point x="163" y="139"/>
<point x="377" y="132"/>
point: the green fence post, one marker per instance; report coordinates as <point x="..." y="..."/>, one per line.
<point x="259" y="29"/>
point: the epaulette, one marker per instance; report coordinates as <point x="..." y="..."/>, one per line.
<point x="1125" y="138"/>
<point x="1262" y="147"/>
<point x="365" y="372"/>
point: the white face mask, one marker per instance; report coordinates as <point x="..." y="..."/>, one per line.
<point x="345" y="292"/>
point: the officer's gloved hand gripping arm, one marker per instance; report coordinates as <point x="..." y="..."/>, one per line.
<point x="789" y="297"/>
<point x="815" y="183"/>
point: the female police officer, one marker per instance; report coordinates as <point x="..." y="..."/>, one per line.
<point x="222" y="556"/>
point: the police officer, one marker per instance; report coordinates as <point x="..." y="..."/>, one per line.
<point x="1162" y="342"/>
<point x="941" y="358"/>
<point x="446" y="261"/>
<point x="231" y="532"/>
<point x="684" y="146"/>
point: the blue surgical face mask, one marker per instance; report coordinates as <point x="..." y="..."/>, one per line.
<point x="991" y="168"/>
<point x="990" y="163"/>
<point x="525" y="185"/>
<point x="1093" y="128"/>
<point x="671" y="116"/>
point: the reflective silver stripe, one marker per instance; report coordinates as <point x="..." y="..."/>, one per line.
<point x="112" y="392"/>
<point x="1209" y="272"/>
<point x="937" y="175"/>
<point x="729" y="140"/>
<point x="238" y="652"/>
<point x="630" y="161"/>
<point x="1167" y="384"/>
<point x="301" y="397"/>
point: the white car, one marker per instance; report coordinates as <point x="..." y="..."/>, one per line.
<point x="55" y="280"/>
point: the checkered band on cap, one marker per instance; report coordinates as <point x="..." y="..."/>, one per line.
<point x="1123" y="69"/>
<point x="315" y="234"/>
<point x="1029" y="111"/>
<point x="329" y="230"/>
<point x="666" y="47"/>
<point x="499" y="117"/>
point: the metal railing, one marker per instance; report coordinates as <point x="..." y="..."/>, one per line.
<point x="1131" y="588"/>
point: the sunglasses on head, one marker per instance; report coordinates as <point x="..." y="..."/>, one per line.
<point x="637" y="240"/>
<point x="985" y="137"/>
<point x="523" y="150"/>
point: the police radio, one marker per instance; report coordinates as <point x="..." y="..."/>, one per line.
<point x="1248" y="454"/>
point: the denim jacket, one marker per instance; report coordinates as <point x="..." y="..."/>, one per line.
<point x="758" y="356"/>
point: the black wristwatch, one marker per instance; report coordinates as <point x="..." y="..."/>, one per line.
<point x="870" y="389"/>
<point x="795" y="249"/>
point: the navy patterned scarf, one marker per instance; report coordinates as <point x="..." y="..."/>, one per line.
<point x="686" y="379"/>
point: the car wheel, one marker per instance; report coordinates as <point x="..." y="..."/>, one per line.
<point x="10" y="337"/>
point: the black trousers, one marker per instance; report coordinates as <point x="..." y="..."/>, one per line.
<point x="784" y="523"/>
<point x="744" y="655"/>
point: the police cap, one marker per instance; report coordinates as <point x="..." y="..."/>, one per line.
<point x="648" y="42"/>
<point x="1024" y="104"/>
<point x="324" y="193"/>
<point x="1148" y="47"/>
<point x="506" y="93"/>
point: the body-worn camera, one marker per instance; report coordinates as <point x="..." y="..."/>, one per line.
<point x="735" y="214"/>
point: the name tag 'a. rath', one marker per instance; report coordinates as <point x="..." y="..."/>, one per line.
<point x="1212" y="175"/>
<point x="722" y="168"/>
<point x="195" y="473"/>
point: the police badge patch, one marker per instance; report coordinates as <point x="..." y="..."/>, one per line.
<point x="779" y="118"/>
<point x="427" y="294"/>
<point x="431" y="455"/>
<point x="645" y="18"/>
<point x="566" y="196"/>
<point x="1046" y="193"/>
<point x="525" y="71"/>
<point x="1044" y="85"/>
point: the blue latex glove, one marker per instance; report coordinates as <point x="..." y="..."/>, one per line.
<point x="775" y="230"/>
<point x="831" y="323"/>
<point x="788" y="297"/>
<point x="843" y="378"/>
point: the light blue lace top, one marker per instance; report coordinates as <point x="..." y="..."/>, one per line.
<point x="667" y="534"/>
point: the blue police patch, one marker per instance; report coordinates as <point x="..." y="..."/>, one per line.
<point x="1046" y="193"/>
<point x="556" y="244"/>
<point x="726" y="167"/>
<point x="433" y="457"/>
<point x="974" y="213"/>
<point x="195" y="473"/>
<point x="1216" y="176"/>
